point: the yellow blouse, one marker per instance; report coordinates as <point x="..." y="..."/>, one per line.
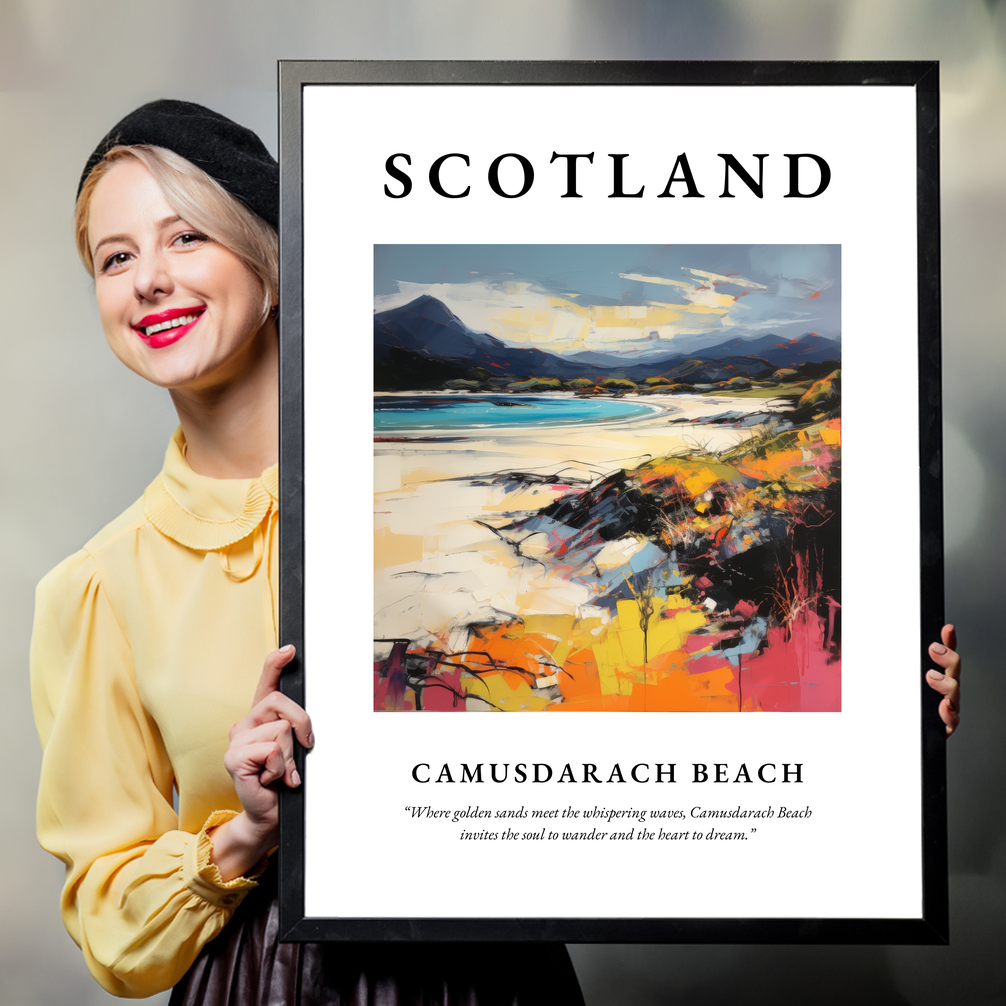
<point x="147" y="647"/>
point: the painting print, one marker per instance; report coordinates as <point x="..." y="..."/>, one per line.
<point x="607" y="478"/>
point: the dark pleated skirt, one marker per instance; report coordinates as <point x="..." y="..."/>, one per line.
<point x="246" y="965"/>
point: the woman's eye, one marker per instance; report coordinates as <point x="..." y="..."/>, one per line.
<point x="114" y="261"/>
<point x="190" y="238"/>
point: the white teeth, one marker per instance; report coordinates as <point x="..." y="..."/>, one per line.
<point x="174" y="323"/>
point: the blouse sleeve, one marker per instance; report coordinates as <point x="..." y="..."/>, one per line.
<point x="141" y="898"/>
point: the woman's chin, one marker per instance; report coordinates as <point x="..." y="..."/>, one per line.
<point x="196" y="365"/>
<point x="172" y="374"/>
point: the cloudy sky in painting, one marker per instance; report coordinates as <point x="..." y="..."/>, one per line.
<point x="632" y="300"/>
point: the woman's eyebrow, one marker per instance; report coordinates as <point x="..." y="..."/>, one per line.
<point x="109" y="240"/>
<point x="160" y="225"/>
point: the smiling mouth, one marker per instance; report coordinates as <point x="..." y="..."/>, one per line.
<point x="167" y="327"/>
<point x="167" y="321"/>
<point x="185" y="319"/>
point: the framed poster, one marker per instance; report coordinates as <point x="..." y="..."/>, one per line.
<point x="613" y="625"/>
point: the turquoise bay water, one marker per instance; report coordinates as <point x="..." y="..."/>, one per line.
<point x="397" y="414"/>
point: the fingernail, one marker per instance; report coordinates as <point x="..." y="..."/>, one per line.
<point x="936" y="675"/>
<point x="938" y="648"/>
<point x="287" y="649"/>
<point x="295" y="777"/>
<point x="310" y="740"/>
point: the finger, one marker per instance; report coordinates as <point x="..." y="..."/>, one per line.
<point x="949" y="636"/>
<point x="279" y="733"/>
<point x="950" y="716"/>
<point x="271" y="670"/>
<point x="274" y="766"/>
<point x="945" y="685"/>
<point x="948" y="659"/>
<point x="260" y="760"/>
<point x="949" y="708"/>
<point x="276" y="706"/>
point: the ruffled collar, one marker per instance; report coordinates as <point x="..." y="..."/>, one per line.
<point x="203" y="513"/>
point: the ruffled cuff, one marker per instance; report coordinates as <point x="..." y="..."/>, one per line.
<point x="203" y="878"/>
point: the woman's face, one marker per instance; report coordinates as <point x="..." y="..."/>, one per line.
<point x="177" y="308"/>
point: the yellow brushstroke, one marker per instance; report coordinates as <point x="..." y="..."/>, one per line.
<point x="698" y="483"/>
<point x="620" y="654"/>
<point x="720" y="303"/>
<point x="418" y="476"/>
<point x="831" y="433"/>
<point x="639" y="316"/>
<point x="562" y="304"/>
<point x="610" y="660"/>
<point x="556" y="626"/>
<point x="668" y="626"/>
<point x="394" y="549"/>
<point x="539" y="323"/>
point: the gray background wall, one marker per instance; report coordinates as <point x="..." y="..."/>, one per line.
<point x="81" y="436"/>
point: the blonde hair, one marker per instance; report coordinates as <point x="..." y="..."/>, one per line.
<point x="199" y="200"/>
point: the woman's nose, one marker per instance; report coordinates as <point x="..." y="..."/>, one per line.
<point x="152" y="277"/>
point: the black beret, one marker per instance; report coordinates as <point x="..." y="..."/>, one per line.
<point x="231" y="154"/>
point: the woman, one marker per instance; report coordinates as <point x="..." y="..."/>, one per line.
<point x="149" y="642"/>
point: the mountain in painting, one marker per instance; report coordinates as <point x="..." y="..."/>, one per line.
<point x="695" y="370"/>
<point x="428" y="325"/>
<point x="609" y="361"/>
<point x="423" y="344"/>
<point x="423" y="338"/>
<point x="807" y="348"/>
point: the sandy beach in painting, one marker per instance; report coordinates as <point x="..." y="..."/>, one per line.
<point x="472" y="565"/>
<point x="459" y="481"/>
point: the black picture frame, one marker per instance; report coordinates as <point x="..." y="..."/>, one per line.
<point x="932" y="925"/>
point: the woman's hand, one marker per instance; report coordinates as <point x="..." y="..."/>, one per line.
<point x="947" y="682"/>
<point x="260" y="753"/>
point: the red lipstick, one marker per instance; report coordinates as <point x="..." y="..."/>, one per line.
<point x="166" y="326"/>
